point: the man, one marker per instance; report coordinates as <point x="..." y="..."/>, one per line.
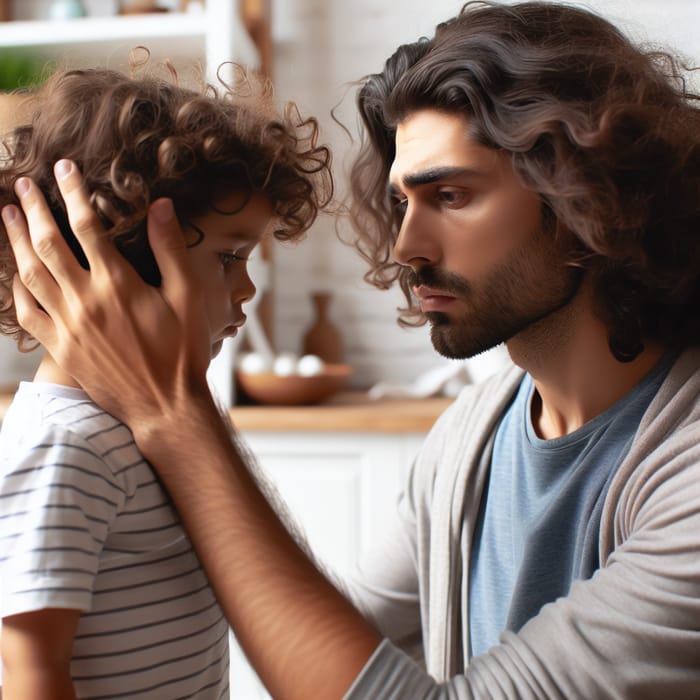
<point x="535" y="178"/>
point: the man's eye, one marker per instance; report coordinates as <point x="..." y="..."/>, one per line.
<point x="399" y="205"/>
<point x="452" y="197"/>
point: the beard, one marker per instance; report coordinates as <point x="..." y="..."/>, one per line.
<point x="531" y="285"/>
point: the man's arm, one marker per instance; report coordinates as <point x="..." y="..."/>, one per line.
<point x="36" y="652"/>
<point x="142" y="353"/>
<point x="301" y="635"/>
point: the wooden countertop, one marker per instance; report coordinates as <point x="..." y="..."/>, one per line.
<point x="345" y="412"/>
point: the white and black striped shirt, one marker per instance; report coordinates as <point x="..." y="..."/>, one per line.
<point x="86" y="525"/>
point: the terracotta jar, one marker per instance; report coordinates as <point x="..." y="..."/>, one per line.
<point x="322" y="337"/>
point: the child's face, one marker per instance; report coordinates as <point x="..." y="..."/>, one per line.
<point x="220" y="260"/>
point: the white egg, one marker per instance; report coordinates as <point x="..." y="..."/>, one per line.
<point x="285" y="364"/>
<point x="254" y="363"/>
<point x="309" y="365"/>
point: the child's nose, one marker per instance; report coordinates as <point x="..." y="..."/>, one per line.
<point x="244" y="289"/>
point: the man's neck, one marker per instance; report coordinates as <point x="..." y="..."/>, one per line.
<point x="576" y="376"/>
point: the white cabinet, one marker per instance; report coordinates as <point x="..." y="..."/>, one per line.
<point x="341" y="487"/>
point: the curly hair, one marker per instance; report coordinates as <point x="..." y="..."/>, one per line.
<point x="139" y="138"/>
<point x="605" y="132"/>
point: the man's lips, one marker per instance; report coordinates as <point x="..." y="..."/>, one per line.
<point x="433" y="299"/>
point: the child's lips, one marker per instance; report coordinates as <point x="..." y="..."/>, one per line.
<point x="232" y="330"/>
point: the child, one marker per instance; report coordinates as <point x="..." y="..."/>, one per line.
<point x="101" y="592"/>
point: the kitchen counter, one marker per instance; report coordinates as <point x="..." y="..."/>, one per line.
<point x="345" y="412"/>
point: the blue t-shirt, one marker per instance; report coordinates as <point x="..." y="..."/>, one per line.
<point x="539" y="523"/>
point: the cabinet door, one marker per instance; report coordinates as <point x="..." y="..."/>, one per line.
<point x="341" y="489"/>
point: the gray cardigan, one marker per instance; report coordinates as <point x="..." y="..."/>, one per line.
<point x="631" y="631"/>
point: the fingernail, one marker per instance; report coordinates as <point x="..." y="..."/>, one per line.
<point x="9" y="213"/>
<point x="63" y="169"/>
<point x="22" y="186"/>
<point x="163" y="211"/>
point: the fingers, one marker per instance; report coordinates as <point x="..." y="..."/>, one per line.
<point x="179" y="288"/>
<point x="32" y="271"/>
<point x="169" y="248"/>
<point x="165" y="236"/>
<point x="44" y="234"/>
<point x="31" y="317"/>
<point x="30" y="306"/>
<point x="83" y="219"/>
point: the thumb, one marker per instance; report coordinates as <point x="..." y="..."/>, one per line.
<point x="165" y="237"/>
<point x="170" y="250"/>
<point x="180" y="287"/>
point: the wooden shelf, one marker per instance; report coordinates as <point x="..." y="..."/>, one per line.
<point x="96" y="40"/>
<point x="171" y="26"/>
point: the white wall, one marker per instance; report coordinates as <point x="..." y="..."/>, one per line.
<point x="323" y="45"/>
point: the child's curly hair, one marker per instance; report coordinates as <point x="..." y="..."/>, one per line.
<point x="139" y="138"/>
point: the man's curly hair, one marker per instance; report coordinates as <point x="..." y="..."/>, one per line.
<point x="139" y="138"/>
<point x="606" y="133"/>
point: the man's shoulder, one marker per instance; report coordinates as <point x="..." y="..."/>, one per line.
<point x="473" y="416"/>
<point x="677" y="402"/>
<point x="493" y="393"/>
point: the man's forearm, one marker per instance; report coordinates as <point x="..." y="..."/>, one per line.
<point x="303" y="637"/>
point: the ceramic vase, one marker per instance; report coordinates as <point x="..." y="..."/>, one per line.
<point x="322" y="338"/>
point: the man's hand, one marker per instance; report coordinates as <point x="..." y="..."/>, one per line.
<point x="136" y="349"/>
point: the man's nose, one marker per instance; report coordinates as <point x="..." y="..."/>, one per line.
<point x="417" y="241"/>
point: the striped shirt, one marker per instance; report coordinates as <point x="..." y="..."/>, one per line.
<point x="86" y="525"/>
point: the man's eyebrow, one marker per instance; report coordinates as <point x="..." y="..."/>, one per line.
<point x="430" y="175"/>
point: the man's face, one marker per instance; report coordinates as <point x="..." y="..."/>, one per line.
<point x="219" y="261"/>
<point x="484" y="269"/>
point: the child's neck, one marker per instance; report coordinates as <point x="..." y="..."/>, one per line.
<point x="49" y="371"/>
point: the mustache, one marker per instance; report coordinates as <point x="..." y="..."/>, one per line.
<point x="440" y="280"/>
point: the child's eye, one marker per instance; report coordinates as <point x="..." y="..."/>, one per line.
<point x="229" y="258"/>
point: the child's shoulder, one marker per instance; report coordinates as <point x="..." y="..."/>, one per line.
<point x="65" y="417"/>
<point x="42" y="403"/>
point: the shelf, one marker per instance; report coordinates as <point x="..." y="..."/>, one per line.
<point x="167" y="35"/>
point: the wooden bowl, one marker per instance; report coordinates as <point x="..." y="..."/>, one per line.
<point x="293" y="389"/>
